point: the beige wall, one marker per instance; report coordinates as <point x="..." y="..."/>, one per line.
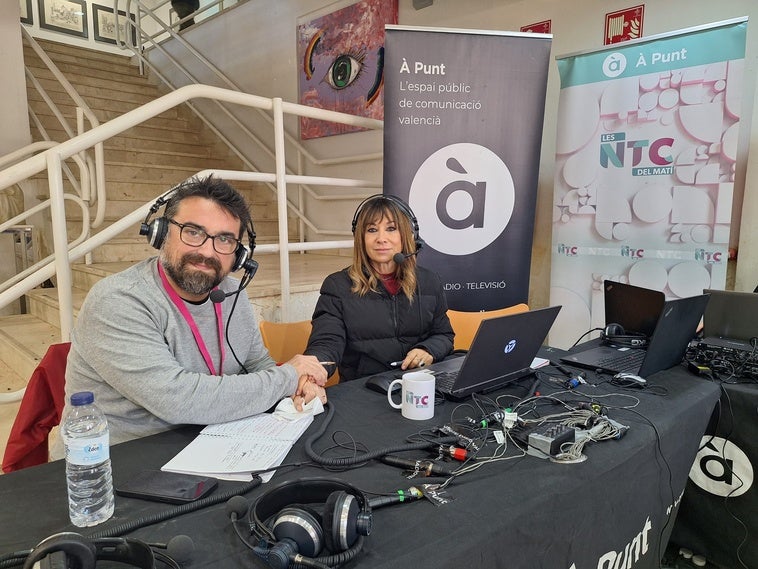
<point x="15" y="131"/>
<point x="15" y="123"/>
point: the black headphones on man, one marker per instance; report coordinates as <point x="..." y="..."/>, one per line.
<point x="290" y="531"/>
<point x="157" y="230"/>
<point x="615" y="334"/>
<point x="401" y="205"/>
<point x="72" y="550"/>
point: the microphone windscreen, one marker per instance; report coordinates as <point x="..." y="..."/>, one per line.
<point x="398" y="258"/>
<point x="217" y="296"/>
<point x="181" y="548"/>
<point x="237" y="505"/>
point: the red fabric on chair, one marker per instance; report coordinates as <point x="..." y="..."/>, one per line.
<point x="40" y="411"/>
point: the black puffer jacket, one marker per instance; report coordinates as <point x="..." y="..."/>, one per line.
<point x="365" y="333"/>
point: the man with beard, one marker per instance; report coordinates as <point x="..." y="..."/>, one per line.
<point x="157" y="352"/>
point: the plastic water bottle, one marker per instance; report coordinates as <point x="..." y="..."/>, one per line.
<point x="88" y="464"/>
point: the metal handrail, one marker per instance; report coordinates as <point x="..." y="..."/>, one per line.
<point x="138" y="51"/>
<point x="52" y="159"/>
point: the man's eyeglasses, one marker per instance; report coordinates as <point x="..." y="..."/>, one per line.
<point x="194" y="236"/>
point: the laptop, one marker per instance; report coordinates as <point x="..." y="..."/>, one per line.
<point x="675" y="328"/>
<point x="501" y="352"/>
<point x="634" y="307"/>
<point x="730" y="319"/>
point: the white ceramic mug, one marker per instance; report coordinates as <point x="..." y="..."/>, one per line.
<point x="417" y="395"/>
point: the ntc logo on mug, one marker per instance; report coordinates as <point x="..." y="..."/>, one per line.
<point x="417" y="400"/>
<point x="417" y="395"/>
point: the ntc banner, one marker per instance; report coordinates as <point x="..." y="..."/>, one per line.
<point x="646" y="148"/>
<point x="463" y="115"/>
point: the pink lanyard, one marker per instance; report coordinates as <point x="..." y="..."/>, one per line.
<point x="176" y="299"/>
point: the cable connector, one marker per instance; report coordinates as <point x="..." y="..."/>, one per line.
<point x="454" y="452"/>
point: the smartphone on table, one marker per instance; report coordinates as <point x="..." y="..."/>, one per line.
<point x="171" y="487"/>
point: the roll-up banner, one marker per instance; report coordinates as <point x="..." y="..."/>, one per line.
<point x="463" y="112"/>
<point x="646" y="152"/>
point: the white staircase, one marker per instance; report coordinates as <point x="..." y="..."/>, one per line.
<point x="141" y="164"/>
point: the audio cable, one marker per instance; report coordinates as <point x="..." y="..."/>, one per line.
<point x="368" y="455"/>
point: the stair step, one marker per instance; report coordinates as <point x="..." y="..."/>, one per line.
<point x="43" y="304"/>
<point x="109" y="76"/>
<point x="81" y="55"/>
<point x="24" y="339"/>
<point x="116" y="102"/>
<point x="163" y="157"/>
<point x="68" y="110"/>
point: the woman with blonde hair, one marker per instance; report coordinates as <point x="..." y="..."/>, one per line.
<point x="382" y="312"/>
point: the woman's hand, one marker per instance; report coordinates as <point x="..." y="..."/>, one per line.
<point x="417" y="358"/>
<point x="308" y="366"/>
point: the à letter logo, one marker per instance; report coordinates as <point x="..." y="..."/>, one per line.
<point x="463" y="196"/>
<point x="722" y="468"/>
<point x="614" y="65"/>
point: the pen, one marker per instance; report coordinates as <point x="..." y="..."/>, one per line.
<point x="328" y="363"/>
<point x="395" y="364"/>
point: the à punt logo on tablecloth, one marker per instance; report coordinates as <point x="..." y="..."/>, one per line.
<point x="623" y="25"/>
<point x="722" y="468"/>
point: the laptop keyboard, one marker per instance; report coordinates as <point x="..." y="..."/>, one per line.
<point x="445" y="380"/>
<point x="626" y="362"/>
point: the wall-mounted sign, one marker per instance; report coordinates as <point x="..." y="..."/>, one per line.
<point x="623" y="25"/>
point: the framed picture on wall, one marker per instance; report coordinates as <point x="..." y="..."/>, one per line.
<point x="26" y="11"/>
<point x="104" y="25"/>
<point x="340" y="54"/>
<point x="65" y="16"/>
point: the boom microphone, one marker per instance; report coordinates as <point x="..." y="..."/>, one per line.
<point x="399" y="258"/>
<point x="236" y="507"/>
<point x="179" y="547"/>
<point x="217" y="295"/>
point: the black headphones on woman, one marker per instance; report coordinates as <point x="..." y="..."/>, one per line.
<point x="157" y="230"/>
<point x="402" y="206"/>
<point x="291" y="531"/>
<point x="615" y="334"/>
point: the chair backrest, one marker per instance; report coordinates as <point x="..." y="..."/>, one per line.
<point x="40" y="410"/>
<point x="287" y="339"/>
<point x="465" y="324"/>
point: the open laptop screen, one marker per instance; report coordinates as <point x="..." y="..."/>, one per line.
<point x="636" y="308"/>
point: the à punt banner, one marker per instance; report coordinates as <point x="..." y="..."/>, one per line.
<point x="463" y="113"/>
<point x="645" y="167"/>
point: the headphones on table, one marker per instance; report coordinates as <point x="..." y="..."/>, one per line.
<point x="73" y="550"/>
<point x="401" y="205"/>
<point x="291" y="531"/>
<point x="615" y="334"/>
<point x="157" y="230"/>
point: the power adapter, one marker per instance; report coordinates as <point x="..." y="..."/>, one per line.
<point x="698" y="369"/>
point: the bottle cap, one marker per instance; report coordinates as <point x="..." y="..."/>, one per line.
<point x="82" y="398"/>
